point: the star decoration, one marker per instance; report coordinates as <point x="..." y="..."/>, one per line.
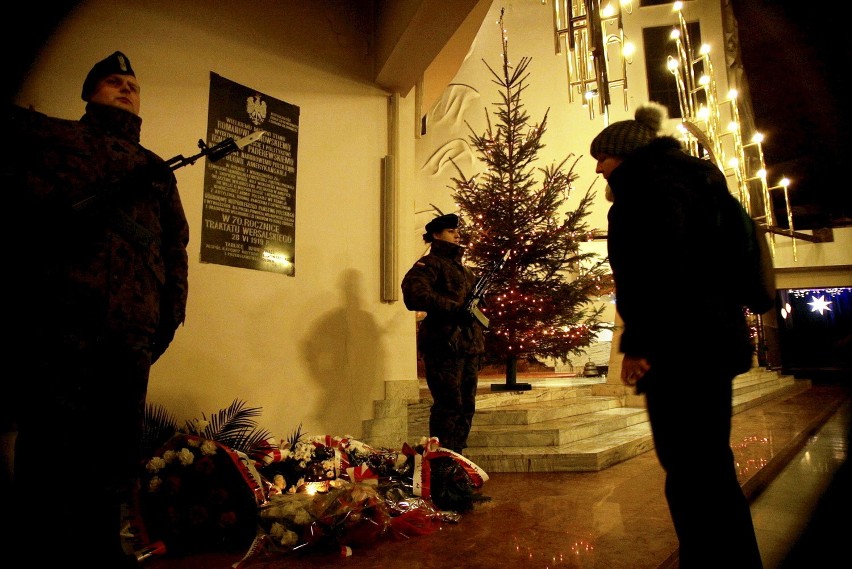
<point x="819" y="304"/>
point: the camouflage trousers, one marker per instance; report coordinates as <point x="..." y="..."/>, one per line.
<point x="452" y="381"/>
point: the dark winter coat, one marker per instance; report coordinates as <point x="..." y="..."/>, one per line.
<point x="668" y="251"/>
<point x="116" y="271"/>
<point x="438" y="284"/>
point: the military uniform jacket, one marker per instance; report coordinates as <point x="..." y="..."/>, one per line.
<point x="117" y="270"/>
<point x="438" y="284"/>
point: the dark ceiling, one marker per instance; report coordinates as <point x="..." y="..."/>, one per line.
<point x="795" y="58"/>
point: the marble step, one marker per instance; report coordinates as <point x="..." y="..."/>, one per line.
<point x="486" y="399"/>
<point x="528" y="413"/>
<point x="595" y="440"/>
<point x="587" y="455"/>
<point x="557" y="431"/>
<point x="507" y="406"/>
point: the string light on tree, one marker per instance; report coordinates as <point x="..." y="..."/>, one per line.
<point x="545" y="300"/>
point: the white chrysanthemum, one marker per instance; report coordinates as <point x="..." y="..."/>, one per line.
<point x="198" y="425"/>
<point x="277" y="529"/>
<point x="186" y="457"/>
<point x="303" y="452"/>
<point x="169" y="456"/>
<point x="208" y="448"/>
<point x="154" y="483"/>
<point x="155" y="464"/>
<point x="193" y="442"/>
<point x="279" y="482"/>
<point x="302" y="518"/>
<point x="400" y="461"/>
<point x="289" y="539"/>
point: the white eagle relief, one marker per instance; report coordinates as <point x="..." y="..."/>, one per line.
<point x="256" y="109"/>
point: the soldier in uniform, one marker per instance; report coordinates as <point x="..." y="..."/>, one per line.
<point x="103" y="288"/>
<point x="449" y="339"/>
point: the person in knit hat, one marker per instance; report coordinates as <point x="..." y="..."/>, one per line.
<point x="684" y="336"/>
<point x="623" y="137"/>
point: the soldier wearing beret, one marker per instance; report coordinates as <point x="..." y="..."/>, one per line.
<point x="449" y="339"/>
<point x="103" y="289"/>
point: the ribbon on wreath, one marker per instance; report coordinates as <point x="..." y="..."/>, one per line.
<point x="362" y="474"/>
<point x="271" y="453"/>
<point x="422" y="481"/>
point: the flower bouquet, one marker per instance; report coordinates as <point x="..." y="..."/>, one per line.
<point x="198" y="490"/>
<point x="223" y="484"/>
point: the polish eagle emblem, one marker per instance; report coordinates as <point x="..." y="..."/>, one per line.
<point x="256" y="109"/>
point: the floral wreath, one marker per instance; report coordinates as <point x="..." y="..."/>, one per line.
<point x="223" y="484"/>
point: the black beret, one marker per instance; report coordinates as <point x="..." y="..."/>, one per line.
<point x="117" y="63"/>
<point x="438" y="224"/>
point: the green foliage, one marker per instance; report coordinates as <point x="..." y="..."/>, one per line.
<point x="234" y="427"/>
<point x="543" y="301"/>
<point x="158" y="426"/>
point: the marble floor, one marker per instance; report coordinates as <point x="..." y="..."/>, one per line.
<point x="788" y="452"/>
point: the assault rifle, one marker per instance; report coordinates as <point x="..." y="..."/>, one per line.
<point x="216" y="152"/>
<point x="213" y="153"/>
<point x="471" y="304"/>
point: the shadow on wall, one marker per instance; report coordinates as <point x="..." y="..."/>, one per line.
<point x="344" y="351"/>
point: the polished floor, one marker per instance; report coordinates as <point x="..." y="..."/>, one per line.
<point x="791" y="451"/>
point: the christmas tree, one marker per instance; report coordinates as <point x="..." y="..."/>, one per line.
<point x="542" y="303"/>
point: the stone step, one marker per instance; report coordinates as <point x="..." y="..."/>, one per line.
<point x="748" y="394"/>
<point x="587" y="455"/>
<point x="534" y="412"/>
<point x="509" y="439"/>
<point x="564" y="423"/>
<point x="487" y="399"/>
<point x="558" y="431"/>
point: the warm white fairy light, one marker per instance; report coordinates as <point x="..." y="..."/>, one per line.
<point x="586" y="38"/>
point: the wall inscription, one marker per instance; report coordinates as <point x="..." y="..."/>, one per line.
<point x="249" y="211"/>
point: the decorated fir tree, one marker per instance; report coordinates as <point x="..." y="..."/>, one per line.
<point x="542" y="303"/>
